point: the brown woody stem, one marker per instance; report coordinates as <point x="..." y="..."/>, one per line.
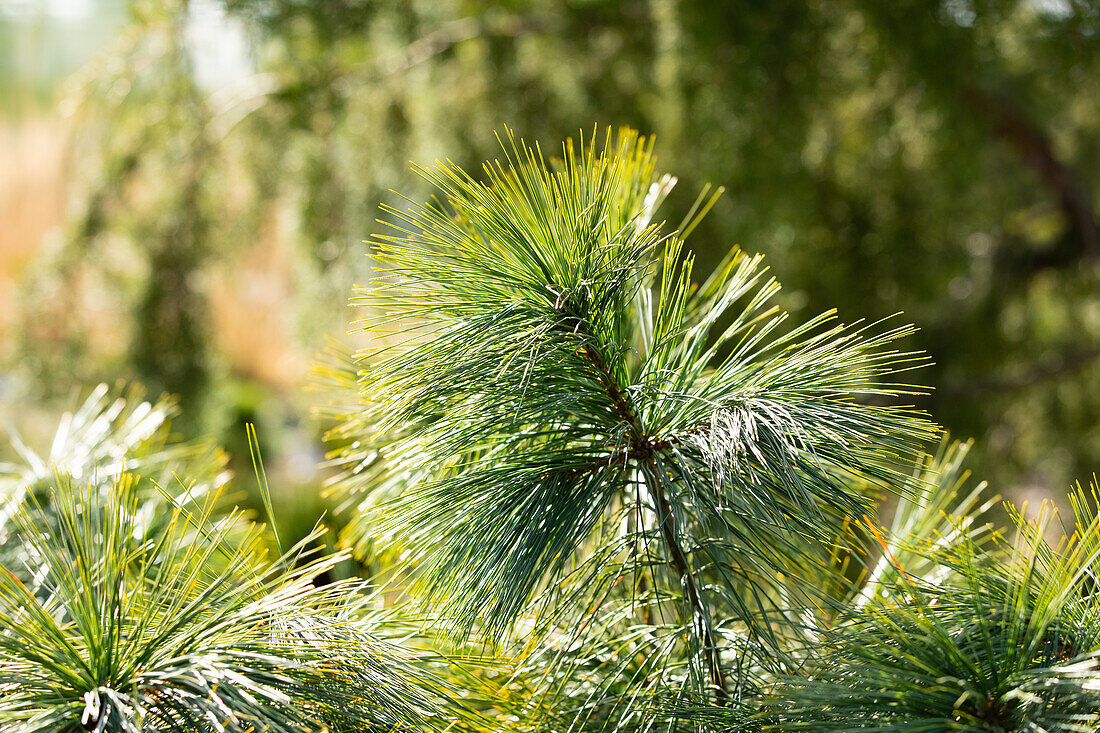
<point x="641" y="451"/>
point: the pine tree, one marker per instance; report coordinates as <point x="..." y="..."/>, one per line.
<point x="602" y="497"/>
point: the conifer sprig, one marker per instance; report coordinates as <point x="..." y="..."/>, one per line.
<point x="1002" y="639"/>
<point x="565" y="409"/>
<point x="180" y="629"/>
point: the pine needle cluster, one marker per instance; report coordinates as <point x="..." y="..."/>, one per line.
<point x="127" y="606"/>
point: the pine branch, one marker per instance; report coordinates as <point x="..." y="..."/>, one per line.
<point x="550" y="406"/>
<point x="179" y="628"/>
<point x="1000" y="638"/>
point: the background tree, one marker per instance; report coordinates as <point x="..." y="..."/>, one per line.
<point x="936" y="158"/>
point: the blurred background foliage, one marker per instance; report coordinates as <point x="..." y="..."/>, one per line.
<point x="185" y="185"/>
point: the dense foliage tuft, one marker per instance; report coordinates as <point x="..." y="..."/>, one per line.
<point x="568" y="436"/>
